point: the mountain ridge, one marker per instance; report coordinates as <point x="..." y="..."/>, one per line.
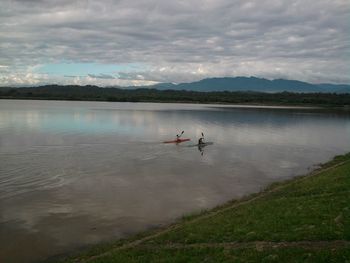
<point x="254" y="84"/>
<point x="234" y="84"/>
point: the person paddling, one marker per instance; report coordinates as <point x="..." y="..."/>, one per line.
<point x="201" y="140"/>
<point x="178" y="136"/>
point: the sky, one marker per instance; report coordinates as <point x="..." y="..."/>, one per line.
<point x="143" y="42"/>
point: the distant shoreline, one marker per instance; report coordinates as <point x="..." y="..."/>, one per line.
<point x="212" y="105"/>
<point x="79" y="93"/>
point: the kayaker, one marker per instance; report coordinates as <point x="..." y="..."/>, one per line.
<point x="178" y="136"/>
<point x="201" y="140"/>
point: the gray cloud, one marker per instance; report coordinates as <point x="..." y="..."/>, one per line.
<point x="177" y="40"/>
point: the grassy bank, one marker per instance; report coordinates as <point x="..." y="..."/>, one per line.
<point x="303" y="220"/>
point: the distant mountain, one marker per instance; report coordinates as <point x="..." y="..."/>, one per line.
<point x="254" y="84"/>
<point x="233" y="84"/>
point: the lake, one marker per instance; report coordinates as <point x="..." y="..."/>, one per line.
<point x="73" y="174"/>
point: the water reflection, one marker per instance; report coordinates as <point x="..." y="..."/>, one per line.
<point x="76" y="173"/>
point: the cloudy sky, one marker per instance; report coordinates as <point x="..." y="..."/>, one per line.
<point x="117" y="42"/>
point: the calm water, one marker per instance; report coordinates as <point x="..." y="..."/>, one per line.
<point x="78" y="173"/>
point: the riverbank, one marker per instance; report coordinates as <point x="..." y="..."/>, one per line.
<point x="305" y="219"/>
<point x="92" y="93"/>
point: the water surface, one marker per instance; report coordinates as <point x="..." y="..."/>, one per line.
<point x="77" y="173"/>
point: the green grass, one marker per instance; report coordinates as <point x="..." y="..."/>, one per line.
<point x="307" y="209"/>
<point x="227" y="255"/>
<point x="304" y="210"/>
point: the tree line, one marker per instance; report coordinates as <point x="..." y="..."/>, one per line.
<point x="72" y="92"/>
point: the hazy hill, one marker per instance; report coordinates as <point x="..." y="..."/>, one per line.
<point x="233" y="84"/>
<point x="254" y="84"/>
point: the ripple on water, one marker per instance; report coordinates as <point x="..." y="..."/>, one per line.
<point x="37" y="168"/>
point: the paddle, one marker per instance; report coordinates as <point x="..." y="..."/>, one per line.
<point x="178" y="136"/>
<point x="201" y="140"/>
